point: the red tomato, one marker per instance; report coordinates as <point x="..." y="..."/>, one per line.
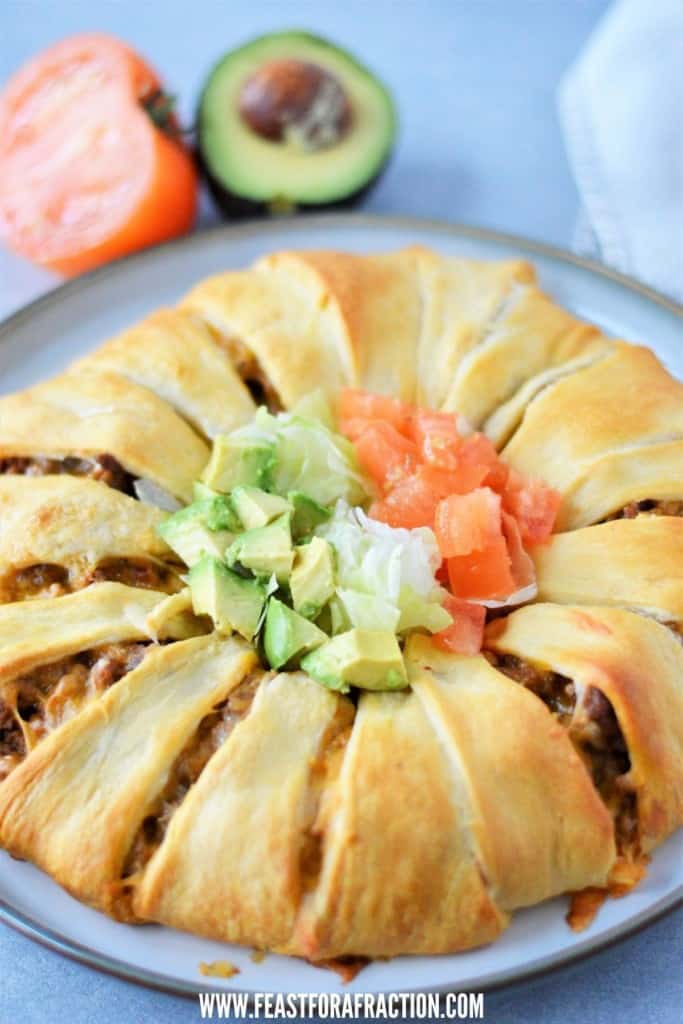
<point x="91" y="163"/>
<point x="466" y="633"/>
<point x="411" y="503"/>
<point x="523" y="570"/>
<point x="467" y="522"/>
<point x="533" y="504"/>
<point x="385" y="455"/>
<point x="362" y="405"/>
<point x="483" y="574"/>
<point x="437" y="438"/>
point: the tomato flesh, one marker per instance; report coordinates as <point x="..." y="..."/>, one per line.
<point x="482" y="512"/>
<point x="466" y="632"/>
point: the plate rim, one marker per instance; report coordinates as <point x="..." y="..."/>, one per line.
<point x="75" y="951"/>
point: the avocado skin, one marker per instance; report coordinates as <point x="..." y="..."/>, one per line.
<point x="236" y="206"/>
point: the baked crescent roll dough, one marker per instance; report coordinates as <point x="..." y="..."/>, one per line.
<point x="460" y="299"/>
<point x="617" y="479"/>
<point x="375" y="304"/>
<point x="74" y="805"/>
<point x="624" y="409"/>
<point x="635" y="563"/>
<point x="73" y="522"/>
<point x="398" y="872"/>
<point x="529" y="335"/>
<point x="638" y="665"/>
<point x="501" y="424"/>
<point x="173" y="354"/>
<point x="37" y="632"/>
<point x="285" y="321"/>
<point x="534" y="817"/>
<point x="88" y="414"/>
<point x="244" y="821"/>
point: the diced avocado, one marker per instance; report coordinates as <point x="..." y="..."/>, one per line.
<point x="256" y="507"/>
<point x="190" y="537"/>
<point x="239" y="460"/>
<point x="339" y="619"/>
<point x="369" y="611"/>
<point x="290" y="120"/>
<point x="288" y="635"/>
<point x="265" y="550"/>
<point x="201" y="491"/>
<point x="233" y="602"/>
<point x="312" y="580"/>
<point x="306" y="515"/>
<point x="368" y="659"/>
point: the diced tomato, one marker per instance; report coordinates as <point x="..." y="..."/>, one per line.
<point x="354" y="428"/>
<point x="483" y="574"/>
<point x="385" y="455"/>
<point x="437" y="438"/>
<point x="355" y="404"/>
<point x="522" y="566"/>
<point x="467" y="522"/>
<point x="533" y="504"/>
<point x="481" y="458"/>
<point x="411" y="503"/>
<point x="466" y="632"/>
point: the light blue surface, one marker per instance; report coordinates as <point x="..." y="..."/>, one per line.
<point x="475" y="86"/>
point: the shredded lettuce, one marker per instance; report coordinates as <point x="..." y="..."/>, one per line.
<point x="309" y="457"/>
<point x="385" y="576"/>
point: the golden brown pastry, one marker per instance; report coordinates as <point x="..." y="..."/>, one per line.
<point x="615" y="679"/>
<point x="534" y="818"/>
<point x="75" y="804"/>
<point x="461" y="298"/>
<point x="106" y="426"/>
<point x="174" y="355"/>
<point x="635" y="563"/>
<point x="605" y="436"/>
<point x="391" y="813"/>
<point x="59" y="533"/>
<point x="249" y="814"/>
<point x="57" y="654"/>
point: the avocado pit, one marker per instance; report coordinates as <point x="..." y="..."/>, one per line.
<point x="297" y="102"/>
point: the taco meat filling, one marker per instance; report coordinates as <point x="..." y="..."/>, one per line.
<point x="648" y="507"/>
<point x="35" y="704"/>
<point x="47" y="580"/>
<point x="104" y="468"/>
<point x="212" y="732"/>
<point x="250" y="370"/>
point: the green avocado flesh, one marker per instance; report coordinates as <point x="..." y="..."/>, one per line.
<point x="246" y="168"/>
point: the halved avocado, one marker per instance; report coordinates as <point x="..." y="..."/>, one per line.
<point x="289" y="121"/>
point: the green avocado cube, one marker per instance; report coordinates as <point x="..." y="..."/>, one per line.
<point x="189" y="535"/>
<point x="256" y="507"/>
<point x="306" y="514"/>
<point x="239" y="460"/>
<point x="312" y="581"/>
<point x="367" y="659"/>
<point x="288" y="635"/>
<point x="233" y="602"/>
<point x="267" y="550"/>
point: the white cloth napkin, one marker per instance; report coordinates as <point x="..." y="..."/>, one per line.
<point x="621" y="111"/>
